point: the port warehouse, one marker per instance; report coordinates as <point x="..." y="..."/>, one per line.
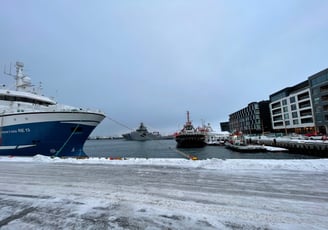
<point x="300" y="109"/>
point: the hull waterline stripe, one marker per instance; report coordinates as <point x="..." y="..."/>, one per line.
<point x="16" y="147"/>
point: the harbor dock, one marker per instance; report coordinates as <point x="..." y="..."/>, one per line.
<point x="298" y="146"/>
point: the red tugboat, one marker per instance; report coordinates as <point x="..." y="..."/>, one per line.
<point x="189" y="137"/>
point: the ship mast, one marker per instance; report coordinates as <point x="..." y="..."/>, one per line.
<point x="23" y="82"/>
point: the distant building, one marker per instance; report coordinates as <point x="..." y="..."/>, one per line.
<point x="253" y="119"/>
<point x="318" y="84"/>
<point x="225" y="126"/>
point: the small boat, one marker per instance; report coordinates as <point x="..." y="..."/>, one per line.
<point x="212" y="137"/>
<point x="189" y="137"/>
<point x="238" y="143"/>
<point x="142" y="134"/>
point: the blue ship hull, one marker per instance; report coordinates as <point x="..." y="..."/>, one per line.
<point x="51" y="138"/>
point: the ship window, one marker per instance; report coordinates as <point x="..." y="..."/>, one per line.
<point x="22" y="99"/>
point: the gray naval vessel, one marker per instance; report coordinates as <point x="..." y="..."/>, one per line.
<point x="142" y="134"/>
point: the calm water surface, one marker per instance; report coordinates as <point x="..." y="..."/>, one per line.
<point x="167" y="149"/>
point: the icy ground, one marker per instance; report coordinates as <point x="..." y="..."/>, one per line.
<point x="45" y="193"/>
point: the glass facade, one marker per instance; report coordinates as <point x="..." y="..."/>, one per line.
<point x="255" y="118"/>
<point x="319" y="89"/>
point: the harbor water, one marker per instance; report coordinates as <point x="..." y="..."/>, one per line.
<point x="120" y="148"/>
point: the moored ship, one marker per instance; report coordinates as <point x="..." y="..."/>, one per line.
<point x="212" y="137"/>
<point x="189" y="137"/>
<point x="142" y="134"/>
<point x="31" y="123"/>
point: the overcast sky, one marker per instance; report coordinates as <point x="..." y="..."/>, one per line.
<point x="151" y="61"/>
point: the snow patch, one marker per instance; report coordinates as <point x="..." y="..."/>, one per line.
<point x="215" y="164"/>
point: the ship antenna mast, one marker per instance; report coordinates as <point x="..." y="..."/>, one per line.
<point x="23" y="82"/>
<point x="8" y="73"/>
<point x="188" y="116"/>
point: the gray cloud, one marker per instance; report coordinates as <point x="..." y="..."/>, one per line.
<point x="152" y="61"/>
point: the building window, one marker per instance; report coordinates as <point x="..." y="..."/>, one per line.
<point x="285" y="109"/>
<point x="275" y="105"/>
<point x="287" y="123"/>
<point x="304" y="104"/>
<point x="278" y="123"/>
<point x="295" y="122"/>
<point x="293" y="107"/>
<point x="294" y="114"/>
<point x="319" y="80"/>
<point x="318" y="118"/>
<point x="277" y="118"/>
<point x="324" y="88"/>
<point x="316" y="100"/>
<point x="284" y="102"/>
<point x="292" y="99"/>
<point x="325" y="108"/>
<point x="324" y="98"/>
<point x="307" y="120"/>
<point x="303" y="96"/>
<point x="315" y="91"/>
<point x="306" y="112"/>
<point x="276" y="111"/>
<point x="286" y="116"/>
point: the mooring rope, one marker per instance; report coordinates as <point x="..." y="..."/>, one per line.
<point x="188" y="156"/>
<point x="61" y="148"/>
<point x="119" y="123"/>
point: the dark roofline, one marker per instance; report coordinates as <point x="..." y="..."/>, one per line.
<point x="318" y="74"/>
<point x="291" y="89"/>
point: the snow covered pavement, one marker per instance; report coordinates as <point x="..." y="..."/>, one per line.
<point x="46" y="193"/>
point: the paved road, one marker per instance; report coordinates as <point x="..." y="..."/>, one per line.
<point x="84" y="196"/>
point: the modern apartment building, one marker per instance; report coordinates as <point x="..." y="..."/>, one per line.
<point x="318" y="84"/>
<point x="302" y="108"/>
<point x="291" y="109"/>
<point x="253" y="119"/>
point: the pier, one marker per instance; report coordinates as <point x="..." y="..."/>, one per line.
<point x="298" y="146"/>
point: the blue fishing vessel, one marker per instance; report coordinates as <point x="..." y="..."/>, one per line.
<point x="31" y="123"/>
